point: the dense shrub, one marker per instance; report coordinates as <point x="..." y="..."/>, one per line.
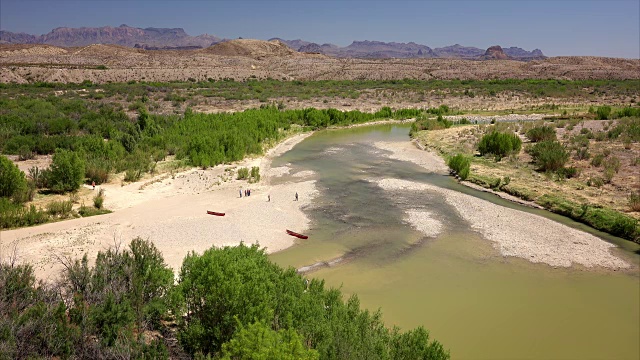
<point x="16" y="215"/>
<point x="86" y="211"/>
<point x="243" y="173"/>
<point x="261" y="311"/>
<point x="568" y="172"/>
<point x="66" y="171"/>
<point x="259" y="341"/>
<point x="59" y="208"/>
<point x="226" y="290"/>
<point x="499" y="144"/>
<point x="613" y="163"/>
<point x="634" y="201"/>
<point x="541" y="133"/>
<point x="604" y="219"/>
<point x="98" y="172"/>
<point x="603" y="112"/>
<point x="132" y="175"/>
<point x="628" y="112"/>
<point x="13" y="182"/>
<point x="255" y="174"/>
<point x="549" y="155"/>
<point x="582" y="153"/>
<point x="597" y="160"/>
<point x="98" y="200"/>
<point x="25" y="153"/>
<point x="91" y="312"/>
<point x="429" y="124"/>
<point x="460" y="164"/>
<point x="595" y="181"/>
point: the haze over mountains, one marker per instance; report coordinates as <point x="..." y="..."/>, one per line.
<point x="150" y="38"/>
<point x="177" y="38"/>
<point x="379" y="49"/>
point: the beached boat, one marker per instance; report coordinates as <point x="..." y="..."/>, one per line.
<point x="297" y="235"/>
<point x="215" y="213"/>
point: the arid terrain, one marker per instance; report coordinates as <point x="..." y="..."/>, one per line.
<point x="256" y="59"/>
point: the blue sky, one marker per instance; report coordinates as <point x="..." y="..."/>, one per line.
<point x="561" y="27"/>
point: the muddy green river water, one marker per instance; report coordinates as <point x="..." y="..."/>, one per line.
<point x="478" y="304"/>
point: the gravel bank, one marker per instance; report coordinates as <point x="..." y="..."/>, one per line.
<point x="406" y="151"/>
<point x="520" y="234"/>
<point x="424" y="222"/>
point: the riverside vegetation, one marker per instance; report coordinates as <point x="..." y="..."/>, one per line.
<point x="90" y="141"/>
<point x="105" y="133"/>
<point x="229" y="303"/>
<point x="556" y="172"/>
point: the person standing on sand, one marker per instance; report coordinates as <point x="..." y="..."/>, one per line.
<point x="240" y="191"/>
<point x="296" y="196"/>
<point x="269" y="198"/>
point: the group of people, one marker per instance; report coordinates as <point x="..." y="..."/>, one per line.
<point x="247" y="192"/>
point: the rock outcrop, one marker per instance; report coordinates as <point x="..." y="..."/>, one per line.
<point x="495" y="53"/>
<point x="256" y="49"/>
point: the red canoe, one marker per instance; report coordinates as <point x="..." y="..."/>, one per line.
<point x="297" y="235"/>
<point x="215" y="213"/>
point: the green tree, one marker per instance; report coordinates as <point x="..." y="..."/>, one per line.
<point x="66" y="172"/>
<point x="112" y="319"/>
<point x="259" y="341"/>
<point x="220" y="286"/>
<point x="224" y="290"/>
<point x="414" y="344"/>
<point x="13" y="182"/>
<point x="151" y="281"/>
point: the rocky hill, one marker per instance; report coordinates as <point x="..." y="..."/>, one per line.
<point x="7" y="37"/>
<point x="516" y="52"/>
<point x="124" y="35"/>
<point x="178" y="39"/>
<point x="256" y="59"/>
<point x="255" y="49"/>
<point x="495" y="53"/>
<point x="371" y="50"/>
<point x="293" y="44"/>
<point x="458" y="51"/>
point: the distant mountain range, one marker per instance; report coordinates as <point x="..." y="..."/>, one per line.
<point x="152" y="38"/>
<point x="378" y="49"/>
<point x="177" y="38"/>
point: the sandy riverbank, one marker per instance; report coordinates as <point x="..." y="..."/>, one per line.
<point x="520" y="234"/>
<point x="514" y="233"/>
<point x="171" y="212"/>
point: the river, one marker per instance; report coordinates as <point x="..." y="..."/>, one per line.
<point x="476" y="302"/>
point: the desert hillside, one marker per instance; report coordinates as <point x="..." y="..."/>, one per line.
<point x="244" y="59"/>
